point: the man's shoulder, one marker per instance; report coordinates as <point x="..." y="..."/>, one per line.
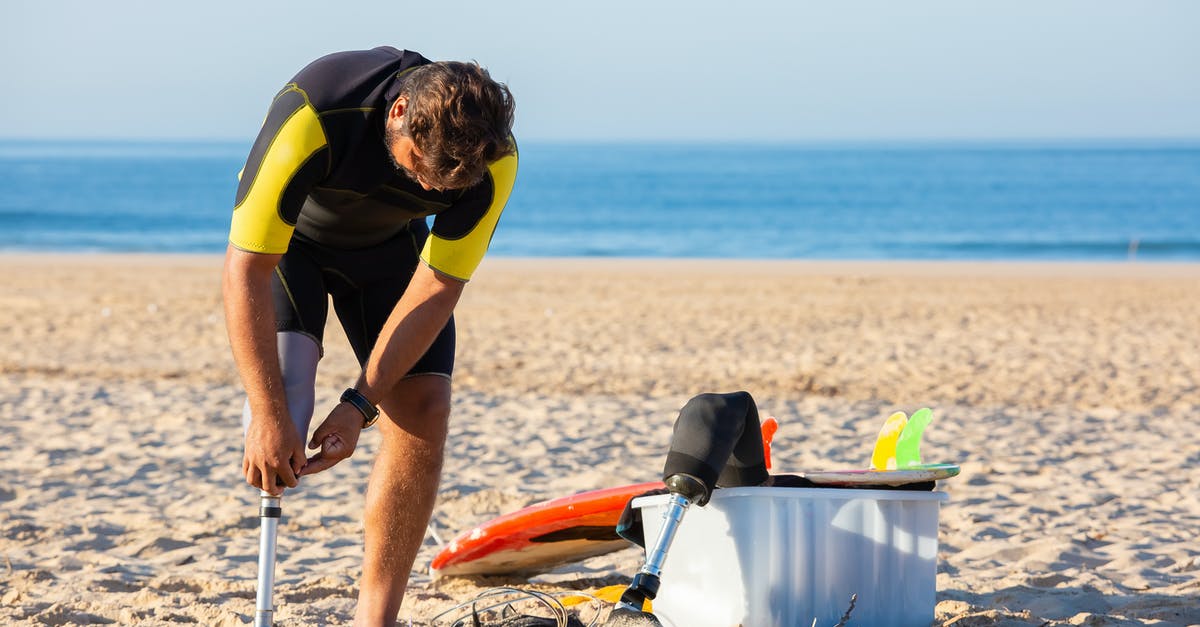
<point x="339" y="78"/>
<point x="377" y="56"/>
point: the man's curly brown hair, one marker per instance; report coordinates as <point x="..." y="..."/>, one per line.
<point x="459" y="119"/>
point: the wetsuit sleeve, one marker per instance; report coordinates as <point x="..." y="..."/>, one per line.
<point x="459" y="238"/>
<point x="289" y="156"/>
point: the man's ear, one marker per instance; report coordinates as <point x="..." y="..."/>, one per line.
<point x="399" y="106"/>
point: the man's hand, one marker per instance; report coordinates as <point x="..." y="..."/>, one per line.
<point x="274" y="455"/>
<point x="337" y="436"/>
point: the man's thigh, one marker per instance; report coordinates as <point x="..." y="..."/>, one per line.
<point x="366" y="285"/>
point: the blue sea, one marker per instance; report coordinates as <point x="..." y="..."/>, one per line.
<point x="1082" y="201"/>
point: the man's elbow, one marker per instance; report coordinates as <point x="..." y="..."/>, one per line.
<point x="246" y="270"/>
<point x="439" y="284"/>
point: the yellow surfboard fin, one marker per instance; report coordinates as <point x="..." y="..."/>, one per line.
<point x="884" y="455"/>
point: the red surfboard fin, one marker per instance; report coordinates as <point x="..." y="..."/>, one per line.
<point x="769" y="427"/>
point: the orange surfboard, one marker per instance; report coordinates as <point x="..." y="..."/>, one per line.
<point x="544" y="535"/>
<point x="541" y="536"/>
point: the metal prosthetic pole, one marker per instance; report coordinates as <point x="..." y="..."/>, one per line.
<point x="269" y="513"/>
<point x="685" y="490"/>
<point x="716" y="441"/>
<point x="298" y="357"/>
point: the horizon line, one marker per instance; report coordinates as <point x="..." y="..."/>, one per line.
<point x="816" y="142"/>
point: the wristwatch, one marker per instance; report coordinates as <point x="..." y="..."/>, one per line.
<point x="370" y="412"/>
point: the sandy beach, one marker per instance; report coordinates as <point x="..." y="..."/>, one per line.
<point x="1069" y="393"/>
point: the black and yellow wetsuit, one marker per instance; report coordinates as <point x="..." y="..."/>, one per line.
<point x="320" y="187"/>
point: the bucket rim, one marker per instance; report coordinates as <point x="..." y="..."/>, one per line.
<point x="810" y="494"/>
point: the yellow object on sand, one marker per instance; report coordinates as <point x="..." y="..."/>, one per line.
<point x="884" y="456"/>
<point x="610" y="594"/>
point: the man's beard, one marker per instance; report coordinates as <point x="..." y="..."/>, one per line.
<point x="391" y="135"/>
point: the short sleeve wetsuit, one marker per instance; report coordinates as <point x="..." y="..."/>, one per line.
<point x="320" y="188"/>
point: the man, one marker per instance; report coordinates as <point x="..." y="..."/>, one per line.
<point x="355" y="152"/>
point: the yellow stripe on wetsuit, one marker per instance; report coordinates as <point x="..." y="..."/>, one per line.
<point x="258" y="220"/>
<point x="460" y="257"/>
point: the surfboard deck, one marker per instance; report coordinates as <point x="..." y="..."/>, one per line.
<point x="542" y="535"/>
<point x="897" y="477"/>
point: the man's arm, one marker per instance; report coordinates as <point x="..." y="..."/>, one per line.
<point x="273" y="448"/>
<point x="410" y="330"/>
<point x="414" y="323"/>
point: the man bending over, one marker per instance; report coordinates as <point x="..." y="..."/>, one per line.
<point x="356" y="151"/>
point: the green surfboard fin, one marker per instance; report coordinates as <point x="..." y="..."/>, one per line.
<point x="908" y="447"/>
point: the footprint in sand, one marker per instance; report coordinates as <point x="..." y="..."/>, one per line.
<point x="159" y="546"/>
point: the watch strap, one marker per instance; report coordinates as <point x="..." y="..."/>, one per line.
<point x="370" y="412"/>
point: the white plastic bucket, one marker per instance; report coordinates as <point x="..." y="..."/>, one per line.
<point x="780" y="557"/>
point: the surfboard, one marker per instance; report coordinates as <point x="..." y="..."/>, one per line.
<point x="554" y="532"/>
<point x="867" y="477"/>
<point x="542" y="535"/>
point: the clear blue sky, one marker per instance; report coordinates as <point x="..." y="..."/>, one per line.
<point x="629" y="69"/>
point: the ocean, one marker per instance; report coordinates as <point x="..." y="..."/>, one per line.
<point x="1081" y="201"/>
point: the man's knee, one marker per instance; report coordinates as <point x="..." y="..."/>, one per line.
<point x="421" y="408"/>
<point x="433" y="405"/>
<point x="425" y="403"/>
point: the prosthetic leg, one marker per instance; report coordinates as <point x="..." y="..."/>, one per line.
<point x="298" y="357"/>
<point x="716" y="442"/>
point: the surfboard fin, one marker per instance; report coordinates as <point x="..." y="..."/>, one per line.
<point x="884" y="455"/>
<point x="908" y="446"/>
<point x="769" y="427"/>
